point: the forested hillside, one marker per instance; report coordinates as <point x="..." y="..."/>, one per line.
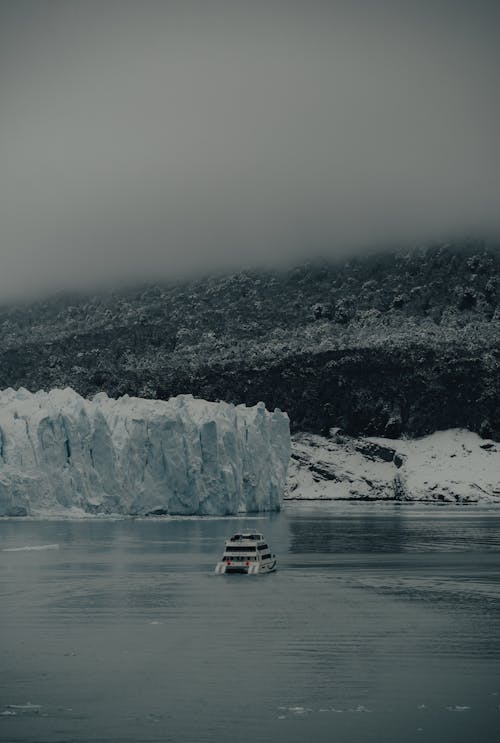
<point x="387" y="344"/>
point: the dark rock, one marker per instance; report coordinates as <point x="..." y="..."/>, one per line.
<point x="17" y="511"/>
<point x="375" y="451"/>
<point x="400" y="492"/>
<point x="323" y="472"/>
<point x="338" y="435"/>
<point x="399" y="459"/>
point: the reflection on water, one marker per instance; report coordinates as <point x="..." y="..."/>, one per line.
<point x="398" y="528"/>
<point x="350" y="534"/>
<point x="380" y="625"/>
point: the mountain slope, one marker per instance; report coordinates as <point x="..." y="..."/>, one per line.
<point x="382" y="345"/>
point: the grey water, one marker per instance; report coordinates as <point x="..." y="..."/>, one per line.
<point x="381" y="624"/>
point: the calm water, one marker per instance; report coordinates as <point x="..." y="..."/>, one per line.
<point x="382" y="624"/>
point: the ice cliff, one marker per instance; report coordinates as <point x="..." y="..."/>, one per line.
<point x="61" y="453"/>
<point x="454" y="466"/>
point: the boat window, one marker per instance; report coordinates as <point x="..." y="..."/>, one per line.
<point x="262" y="547"/>
<point x="267" y="556"/>
<point x="232" y="548"/>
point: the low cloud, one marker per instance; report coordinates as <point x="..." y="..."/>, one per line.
<point x="148" y="140"/>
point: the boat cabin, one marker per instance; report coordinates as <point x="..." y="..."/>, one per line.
<point x="246" y="552"/>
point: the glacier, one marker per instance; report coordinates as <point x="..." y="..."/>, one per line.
<point x="62" y="454"/>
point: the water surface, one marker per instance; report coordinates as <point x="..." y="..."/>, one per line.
<point x="382" y="624"/>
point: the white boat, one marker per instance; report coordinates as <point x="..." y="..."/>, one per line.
<point x="247" y="553"/>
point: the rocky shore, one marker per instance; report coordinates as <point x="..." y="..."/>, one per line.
<point x="453" y="466"/>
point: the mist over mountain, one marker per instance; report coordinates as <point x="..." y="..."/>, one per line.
<point x="393" y="343"/>
<point x="151" y="140"/>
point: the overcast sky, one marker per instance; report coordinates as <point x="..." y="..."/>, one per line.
<point x="153" y="138"/>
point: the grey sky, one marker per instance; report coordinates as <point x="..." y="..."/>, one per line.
<point x="144" y="139"/>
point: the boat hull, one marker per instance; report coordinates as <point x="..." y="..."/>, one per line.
<point x="222" y="568"/>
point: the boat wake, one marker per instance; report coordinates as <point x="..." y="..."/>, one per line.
<point x="31" y="548"/>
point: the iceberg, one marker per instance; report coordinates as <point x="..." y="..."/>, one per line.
<point x="63" y="454"/>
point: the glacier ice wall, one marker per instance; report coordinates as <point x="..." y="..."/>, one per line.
<point x="61" y="453"/>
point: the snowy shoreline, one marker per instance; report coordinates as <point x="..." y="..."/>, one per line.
<point x="446" y="467"/>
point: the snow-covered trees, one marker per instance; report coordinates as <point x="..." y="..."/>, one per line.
<point x="222" y="336"/>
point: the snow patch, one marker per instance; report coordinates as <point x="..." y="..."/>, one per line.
<point x="455" y="466"/>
